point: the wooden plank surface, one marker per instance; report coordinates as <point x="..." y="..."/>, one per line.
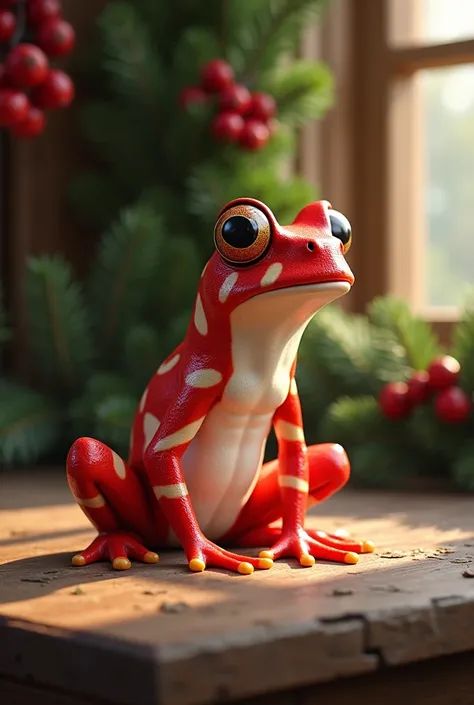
<point x="186" y="638"/>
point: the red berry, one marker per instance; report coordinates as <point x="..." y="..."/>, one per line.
<point x="14" y="107"/>
<point x="40" y="11"/>
<point x="192" y="95"/>
<point x="26" y="65"/>
<point x="394" y="400"/>
<point x="56" y="37"/>
<point x="4" y="83"/>
<point x="452" y="405"/>
<point x="216" y="75"/>
<point x="419" y="387"/>
<point x="263" y="106"/>
<point x="255" y="134"/>
<point x="7" y="25"/>
<point x="56" y="92"/>
<point x="235" y="98"/>
<point x="444" y="372"/>
<point x="32" y="126"/>
<point x="227" y="127"/>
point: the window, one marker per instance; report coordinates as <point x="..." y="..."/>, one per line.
<point x="404" y="114"/>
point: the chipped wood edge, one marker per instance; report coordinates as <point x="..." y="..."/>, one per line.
<point x="265" y="659"/>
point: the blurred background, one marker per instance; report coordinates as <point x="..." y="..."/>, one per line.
<point x="107" y="210"/>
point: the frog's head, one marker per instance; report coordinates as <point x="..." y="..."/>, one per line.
<point x="302" y="265"/>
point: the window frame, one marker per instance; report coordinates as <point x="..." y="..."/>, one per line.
<point x="361" y="158"/>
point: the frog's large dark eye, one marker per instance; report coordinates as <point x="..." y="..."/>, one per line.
<point x="341" y="228"/>
<point x="242" y="234"/>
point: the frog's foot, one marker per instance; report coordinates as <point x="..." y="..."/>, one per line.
<point x="207" y="554"/>
<point x="117" y="547"/>
<point x="308" y="546"/>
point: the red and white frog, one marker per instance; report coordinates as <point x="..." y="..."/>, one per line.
<point x="195" y="477"/>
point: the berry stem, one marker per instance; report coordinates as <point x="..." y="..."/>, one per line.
<point x="20" y="23"/>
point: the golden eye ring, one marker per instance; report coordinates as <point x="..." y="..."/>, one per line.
<point x="242" y="234"/>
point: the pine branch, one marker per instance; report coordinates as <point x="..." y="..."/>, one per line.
<point x="303" y="91"/>
<point x="142" y="353"/>
<point x="383" y="465"/>
<point x="30" y="425"/>
<point x="273" y="30"/>
<point x="95" y="198"/>
<point x="413" y="334"/>
<point x="131" y="58"/>
<point x="98" y="387"/>
<point x="463" y="348"/>
<point x="123" y="279"/>
<point x="59" y="324"/>
<point x="463" y="467"/>
<point x="350" y="421"/>
<point x="114" y="419"/>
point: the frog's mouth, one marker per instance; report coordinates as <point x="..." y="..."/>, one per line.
<point x="288" y="309"/>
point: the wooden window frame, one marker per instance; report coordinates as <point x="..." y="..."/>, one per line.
<point x="356" y="155"/>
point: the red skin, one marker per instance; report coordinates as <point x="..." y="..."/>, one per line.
<point x="26" y="65"/>
<point x="7" y="25"/>
<point x="55" y="93"/>
<point x="216" y="75"/>
<point x="14" y="106"/>
<point x="227" y="127"/>
<point x="145" y="498"/>
<point x="444" y="372"/>
<point x="192" y="95"/>
<point x="32" y="126"/>
<point x="452" y="405"/>
<point x="39" y="11"/>
<point x="394" y="400"/>
<point x="56" y="37"/>
<point x="235" y="98"/>
<point x="255" y="135"/>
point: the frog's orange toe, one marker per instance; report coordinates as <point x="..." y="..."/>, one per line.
<point x="266" y="554"/>
<point x="265" y="563"/>
<point x="78" y="560"/>
<point x="245" y="568"/>
<point x="197" y="565"/>
<point x="151" y="557"/>
<point x="306" y="560"/>
<point x="121" y="563"/>
<point x="351" y="557"/>
<point x="367" y="547"/>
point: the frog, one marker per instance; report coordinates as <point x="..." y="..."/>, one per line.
<point x="196" y="478"/>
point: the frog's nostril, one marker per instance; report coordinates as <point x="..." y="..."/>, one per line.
<point x="310" y="246"/>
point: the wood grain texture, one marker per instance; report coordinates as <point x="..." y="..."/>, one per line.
<point x="232" y="637"/>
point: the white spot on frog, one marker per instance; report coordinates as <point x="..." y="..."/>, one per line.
<point x="227" y="286"/>
<point x="272" y="274"/>
<point x="203" y="379"/>
<point x="200" y="320"/>
<point x="150" y="427"/>
<point x="143" y="400"/>
<point x="119" y="466"/>
<point x="167" y="366"/>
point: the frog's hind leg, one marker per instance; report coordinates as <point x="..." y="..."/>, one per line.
<point x="111" y="495"/>
<point x="329" y="471"/>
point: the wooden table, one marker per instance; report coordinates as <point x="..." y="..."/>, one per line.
<point x="398" y="626"/>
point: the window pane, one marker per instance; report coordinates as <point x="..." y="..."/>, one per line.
<point x="448" y="133"/>
<point x="430" y="21"/>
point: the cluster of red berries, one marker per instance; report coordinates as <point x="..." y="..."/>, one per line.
<point x="28" y="84"/>
<point x="242" y="117"/>
<point x="438" y="383"/>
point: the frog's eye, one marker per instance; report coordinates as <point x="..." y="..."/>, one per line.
<point x="242" y="234"/>
<point x="341" y="228"/>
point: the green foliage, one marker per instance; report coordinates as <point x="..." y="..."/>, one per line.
<point x="30" y="424"/>
<point x="463" y="347"/>
<point x="413" y="334"/>
<point x="60" y="333"/>
<point x="463" y="468"/>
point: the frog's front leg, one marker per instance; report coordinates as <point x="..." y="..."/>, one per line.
<point x="300" y="478"/>
<point x="112" y="497"/>
<point x="162" y="461"/>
